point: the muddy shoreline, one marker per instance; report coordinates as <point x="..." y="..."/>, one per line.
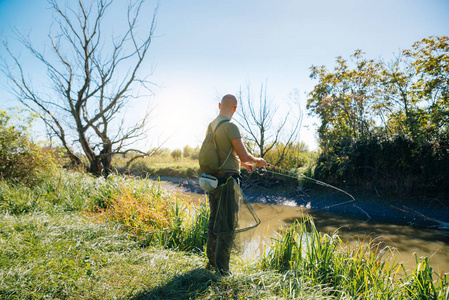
<point x="425" y="213"/>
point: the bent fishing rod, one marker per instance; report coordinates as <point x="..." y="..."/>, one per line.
<point x="290" y="174"/>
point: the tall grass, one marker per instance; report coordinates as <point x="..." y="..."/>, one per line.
<point x="156" y="216"/>
<point x="63" y="256"/>
<point x="361" y="272"/>
<point x="420" y="283"/>
<point x="150" y="213"/>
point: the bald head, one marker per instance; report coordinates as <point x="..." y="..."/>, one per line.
<point x="228" y="105"/>
<point x="229" y="101"/>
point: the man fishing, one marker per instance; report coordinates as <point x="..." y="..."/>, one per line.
<point x="231" y="152"/>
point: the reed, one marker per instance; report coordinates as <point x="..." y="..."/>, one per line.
<point x="420" y="284"/>
<point x="364" y="271"/>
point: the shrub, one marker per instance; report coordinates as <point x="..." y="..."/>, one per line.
<point x="187" y="151"/>
<point x="195" y="153"/>
<point x="155" y="216"/>
<point x="388" y="162"/>
<point x="22" y="160"/>
<point x="176" y="154"/>
<point x="294" y="157"/>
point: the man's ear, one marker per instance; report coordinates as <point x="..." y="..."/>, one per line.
<point x="219" y="105"/>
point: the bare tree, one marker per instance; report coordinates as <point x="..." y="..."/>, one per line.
<point x="93" y="79"/>
<point x="256" y="118"/>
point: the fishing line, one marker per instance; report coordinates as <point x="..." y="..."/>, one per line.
<point x="296" y="175"/>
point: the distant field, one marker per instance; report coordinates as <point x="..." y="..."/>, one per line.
<point x="160" y="165"/>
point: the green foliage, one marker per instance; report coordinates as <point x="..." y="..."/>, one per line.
<point x="22" y="160"/>
<point x="346" y="99"/>
<point x="194" y="154"/>
<point x="296" y="156"/>
<point x="156" y="217"/>
<point x="188" y="230"/>
<point x="184" y="169"/>
<point x="176" y="154"/>
<point x="421" y="284"/>
<point x="386" y="124"/>
<point x="65" y="256"/>
<point x="187" y="151"/>
<point x="56" y="244"/>
<point x="63" y="191"/>
<point x="144" y="209"/>
<point x="388" y="162"/>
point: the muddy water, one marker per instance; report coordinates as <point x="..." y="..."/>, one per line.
<point x="406" y="240"/>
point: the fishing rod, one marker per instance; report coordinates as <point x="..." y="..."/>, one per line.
<point x="297" y="175"/>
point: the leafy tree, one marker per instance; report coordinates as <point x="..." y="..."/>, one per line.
<point x="298" y="156"/>
<point x="398" y="106"/>
<point x="93" y="77"/>
<point x="195" y="153"/>
<point x="346" y="99"/>
<point x="187" y="151"/>
<point x="386" y="124"/>
<point x="431" y="62"/>
<point x="416" y="87"/>
<point x="176" y="154"/>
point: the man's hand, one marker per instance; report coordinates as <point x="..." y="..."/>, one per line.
<point x="248" y="166"/>
<point x="261" y="163"/>
<point x="244" y="156"/>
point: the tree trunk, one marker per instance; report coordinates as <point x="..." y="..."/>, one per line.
<point x="106" y="159"/>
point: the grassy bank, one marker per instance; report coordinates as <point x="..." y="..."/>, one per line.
<point x="78" y="237"/>
<point x="159" y="166"/>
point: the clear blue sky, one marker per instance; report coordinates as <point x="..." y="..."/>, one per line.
<point x="205" y="49"/>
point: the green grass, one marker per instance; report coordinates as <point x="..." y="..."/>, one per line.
<point x="66" y="257"/>
<point x="79" y="237"/>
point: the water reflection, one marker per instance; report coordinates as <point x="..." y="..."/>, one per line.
<point x="405" y="239"/>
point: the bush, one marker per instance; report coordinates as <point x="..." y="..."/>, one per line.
<point x="187" y="151"/>
<point x="22" y="160"/>
<point x="296" y="156"/>
<point x="176" y="154"/>
<point x="195" y="153"/>
<point x="388" y="162"/>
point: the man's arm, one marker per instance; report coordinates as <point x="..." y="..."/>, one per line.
<point x="245" y="157"/>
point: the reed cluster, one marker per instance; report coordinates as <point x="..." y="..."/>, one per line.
<point x="364" y="271"/>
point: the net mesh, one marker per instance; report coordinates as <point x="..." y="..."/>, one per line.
<point x="234" y="213"/>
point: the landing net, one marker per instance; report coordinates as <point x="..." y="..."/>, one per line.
<point x="234" y="213"/>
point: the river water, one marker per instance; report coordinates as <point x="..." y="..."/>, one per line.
<point x="352" y="223"/>
<point x="405" y="239"/>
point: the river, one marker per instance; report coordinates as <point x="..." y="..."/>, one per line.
<point x="370" y="216"/>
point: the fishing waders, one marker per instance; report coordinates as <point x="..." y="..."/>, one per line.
<point x="223" y="215"/>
